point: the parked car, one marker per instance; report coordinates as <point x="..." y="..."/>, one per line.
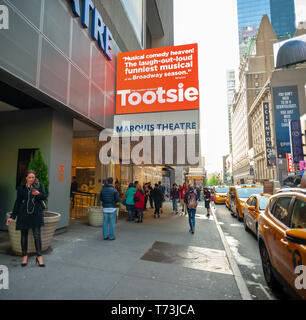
<point x="238" y="196"/>
<point x="255" y="205"/>
<point x="282" y="240"/>
<point x="227" y="202"/>
<point x="220" y="194"/>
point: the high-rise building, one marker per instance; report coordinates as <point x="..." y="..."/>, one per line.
<point x="255" y="69"/>
<point x="283" y="17"/>
<point x="281" y="13"/>
<point x="230" y="79"/>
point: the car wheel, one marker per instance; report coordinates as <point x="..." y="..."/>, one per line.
<point x="239" y="219"/>
<point x="267" y="268"/>
<point x="237" y="214"/>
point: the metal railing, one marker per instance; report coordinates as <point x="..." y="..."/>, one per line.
<point x="80" y="201"/>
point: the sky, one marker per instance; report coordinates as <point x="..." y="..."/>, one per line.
<point x="213" y="25"/>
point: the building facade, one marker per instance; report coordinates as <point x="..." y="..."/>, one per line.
<point x="231" y="87"/>
<point x="270" y="163"/>
<point x="294" y="77"/>
<point x="195" y="176"/>
<point x="261" y="116"/>
<point x="255" y="70"/>
<point x="283" y="17"/>
<point x="229" y="169"/>
<point x="281" y="13"/>
<point x="241" y="165"/>
<point x="249" y="16"/>
<point x="58" y="71"/>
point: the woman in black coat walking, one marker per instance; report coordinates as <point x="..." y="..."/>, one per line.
<point x="28" y="209"/>
<point x="158" y="198"/>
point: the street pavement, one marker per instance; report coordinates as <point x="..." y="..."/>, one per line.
<point x="157" y="259"/>
<point x="244" y="246"/>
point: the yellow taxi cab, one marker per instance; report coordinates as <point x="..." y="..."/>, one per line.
<point x="220" y="194"/>
<point x="227" y="203"/>
<point x="255" y="205"/>
<point x="238" y="197"/>
<point x="282" y="241"/>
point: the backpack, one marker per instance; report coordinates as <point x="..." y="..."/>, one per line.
<point x="192" y="201"/>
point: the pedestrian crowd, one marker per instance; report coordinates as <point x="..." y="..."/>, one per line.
<point x="29" y="206"/>
<point x="137" y="198"/>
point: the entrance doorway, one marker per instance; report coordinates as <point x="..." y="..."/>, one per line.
<point x="86" y="171"/>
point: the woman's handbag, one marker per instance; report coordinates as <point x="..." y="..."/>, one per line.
<point x="43" y="204"/>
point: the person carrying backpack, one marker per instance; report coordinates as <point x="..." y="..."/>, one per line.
<point x="191" y="204"/>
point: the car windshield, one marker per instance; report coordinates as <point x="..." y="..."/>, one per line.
<point x="263" y="202"/>
<point x="221" y="190"/>
<point x="247" y="192"/>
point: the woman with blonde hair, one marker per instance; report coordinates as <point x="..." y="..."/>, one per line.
<point x="28" y="209"/>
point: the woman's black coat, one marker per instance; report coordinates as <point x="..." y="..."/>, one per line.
<point x="157" y="196"/>
<point x="21" y="206"/>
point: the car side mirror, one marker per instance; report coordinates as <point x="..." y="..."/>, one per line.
<point x="297" y="236"/>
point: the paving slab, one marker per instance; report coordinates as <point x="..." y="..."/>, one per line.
<point x="81" y="265"/>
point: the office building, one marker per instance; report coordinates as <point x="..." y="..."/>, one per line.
<point x="283" y="17"/>
<point x="281" y="13"/>
<point x="230" y="79"/>
<point x="57" y="88"/>
<point x="255" y="70"/>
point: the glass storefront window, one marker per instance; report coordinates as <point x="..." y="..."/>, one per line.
<point x="134" y="9"/>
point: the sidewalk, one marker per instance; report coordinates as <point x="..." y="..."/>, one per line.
<point x="175" y="264"/>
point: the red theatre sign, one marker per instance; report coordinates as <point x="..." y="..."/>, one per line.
<point x="159" y="79"/>
<point x="290" y="163"/>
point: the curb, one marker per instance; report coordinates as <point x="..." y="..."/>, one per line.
<point x="241" y="284"/>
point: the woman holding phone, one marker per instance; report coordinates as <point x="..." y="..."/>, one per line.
<point x="28" y="209"/>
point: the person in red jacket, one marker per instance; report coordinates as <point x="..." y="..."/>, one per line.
<point x="139" y="199"/>
<point x="183" y="191"/>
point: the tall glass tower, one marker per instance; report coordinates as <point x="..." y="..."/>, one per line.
<point x="281" y="14"/>
<point x="283" y="17"/>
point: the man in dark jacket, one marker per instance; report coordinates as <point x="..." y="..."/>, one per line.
<point x="109" y="197"/>
<point x="158" y="198"/>
<point x="150" y="196"/>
